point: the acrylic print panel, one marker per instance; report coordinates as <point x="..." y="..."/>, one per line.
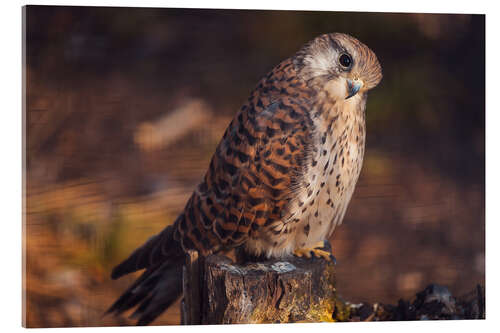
<point x="125" y="108"/>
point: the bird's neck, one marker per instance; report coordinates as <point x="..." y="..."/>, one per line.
<point x="347" y="111"/>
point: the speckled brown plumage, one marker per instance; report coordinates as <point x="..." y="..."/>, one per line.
<point x="257" y="167"/>
<point x="284" y="172"/>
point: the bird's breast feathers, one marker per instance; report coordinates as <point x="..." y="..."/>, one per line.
<point x="329" y="180"/>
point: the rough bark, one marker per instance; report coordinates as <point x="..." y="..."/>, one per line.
<point x="192" y="274"/>
<point x="274" y="291"/>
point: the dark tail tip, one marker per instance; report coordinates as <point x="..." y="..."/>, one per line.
<point x="117" y="272"/>
<point x="152" y="293"/>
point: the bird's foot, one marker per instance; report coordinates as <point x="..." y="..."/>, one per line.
<point x="318" y="250"/>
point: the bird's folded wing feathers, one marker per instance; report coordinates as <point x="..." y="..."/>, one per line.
<point x="252" y="176"/>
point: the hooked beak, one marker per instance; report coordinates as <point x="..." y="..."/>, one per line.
<point x="353" y="86"/>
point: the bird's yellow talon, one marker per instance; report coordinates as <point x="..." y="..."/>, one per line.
<point x="315" y="251"/>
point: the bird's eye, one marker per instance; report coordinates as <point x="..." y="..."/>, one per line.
<point x="345" y="60"/>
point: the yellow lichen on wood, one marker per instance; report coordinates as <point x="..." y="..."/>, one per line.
<point x="322" y="312"/>
<point x="342" y="311"/>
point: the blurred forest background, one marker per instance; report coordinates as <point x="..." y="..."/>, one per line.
<point x="125" y="106"/>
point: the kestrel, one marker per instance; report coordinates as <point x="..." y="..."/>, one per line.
<point x="281" y="177"/>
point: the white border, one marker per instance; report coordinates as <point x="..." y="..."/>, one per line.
<point x="10" y="141"/>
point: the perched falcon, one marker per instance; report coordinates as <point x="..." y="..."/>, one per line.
<point x="281" y="177"/>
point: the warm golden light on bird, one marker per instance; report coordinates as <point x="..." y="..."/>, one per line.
<point x="280" y="179"/>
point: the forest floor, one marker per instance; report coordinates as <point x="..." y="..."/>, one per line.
<point x="435" y="302"/>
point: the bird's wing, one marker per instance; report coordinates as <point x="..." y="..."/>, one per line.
<point x="253" y="174"/>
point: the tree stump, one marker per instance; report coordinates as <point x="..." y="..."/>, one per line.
<point x="218" y="291"/>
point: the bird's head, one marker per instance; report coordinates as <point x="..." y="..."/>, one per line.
<point x="339" y="65"/>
